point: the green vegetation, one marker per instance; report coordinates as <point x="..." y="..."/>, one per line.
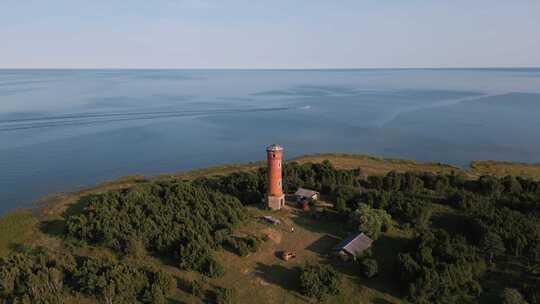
<point x="319" y="281"/>
<point x="370" y="268"/>
<point x="244" y="245"/>
<point x="498" y="223"/>
<point x="15" y="228"/>
<point x="370" y="221"/>
<point x="440" y="268"/>
<point x="178" y="219"/>
<point x="443" y="235"/>
<point x="512" y="296"/>
<point x="37" y="276"/>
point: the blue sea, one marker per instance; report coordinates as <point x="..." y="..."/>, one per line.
<point x="65" y="129"/>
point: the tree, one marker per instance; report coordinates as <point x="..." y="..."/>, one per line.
<point x="512" y="296"/>
<point x="493" y="244"/>
<point x="319" y="281"/>
<point x="512" y="185"/>
<point x="136" y="247"/>
<point x="370" y="221"/>
<point x="196" y="288"/>
<point x="369" y="267"/>
<point x="157" y="296"/>
<point x="440" y="268"/>
<point x="179" y="219"/>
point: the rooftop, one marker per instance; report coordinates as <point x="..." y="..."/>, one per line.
<point x="355" y="245"/>
<point x="305" y="192"/>
<point x="274" y="147"/>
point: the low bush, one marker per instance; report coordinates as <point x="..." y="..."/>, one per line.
<point x="319" y="281"/>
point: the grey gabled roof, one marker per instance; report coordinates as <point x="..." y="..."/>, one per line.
<point x="355" y="244"/>
<point x="305" y="192"/>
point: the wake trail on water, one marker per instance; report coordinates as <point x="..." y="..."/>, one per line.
<point x="388" y="118"/>
<point x="79" y="119"/>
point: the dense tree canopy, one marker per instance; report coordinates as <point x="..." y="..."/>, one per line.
<point x="178" y="219"/>
<point x="440" y="269"/>
<point x="36" y="276"/>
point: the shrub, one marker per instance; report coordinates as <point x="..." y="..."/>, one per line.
<point x="244" y="245"/>
<point x="212" y="268"/>
<point x="512" y="296"/>
<point x="369" y="267"/>
<point x="319" y="281"/>
<point x="196" y="288"/>
<point x="225" y="295"/>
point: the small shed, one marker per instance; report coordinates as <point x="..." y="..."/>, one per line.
<point x="353" y="246"/>
<point x="306" y="194"/>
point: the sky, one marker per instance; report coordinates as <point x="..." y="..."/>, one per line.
<point x="273" y="34"/>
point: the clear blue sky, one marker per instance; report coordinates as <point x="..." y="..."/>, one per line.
<point x="269" y="34"/>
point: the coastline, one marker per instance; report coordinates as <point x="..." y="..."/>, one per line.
<point x="44" y="225"/>
<point x="55" y="203"/>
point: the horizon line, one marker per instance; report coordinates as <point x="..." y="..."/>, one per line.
<point x="278" y="69"/>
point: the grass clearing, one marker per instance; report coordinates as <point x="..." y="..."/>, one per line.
<point x="16" y="227"/>
<point x="263" y="277"/>
<point x="374" y="165"/>
<point x="501" y="168"/>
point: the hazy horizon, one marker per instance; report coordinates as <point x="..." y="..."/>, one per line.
<point x="288" y="69"/>
<point x="239" y="34"/>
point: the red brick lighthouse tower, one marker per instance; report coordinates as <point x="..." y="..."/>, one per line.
<point x="275" y="197"/>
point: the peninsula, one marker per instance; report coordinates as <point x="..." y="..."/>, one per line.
<point x="419" y="233"/>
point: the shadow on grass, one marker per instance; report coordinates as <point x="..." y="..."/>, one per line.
<point x="53" y="227"/>
<point x="279" y="275"/>
<point x="183" y="285"/>
<point x="323" y="245"/>
<point x="174" y="301"/>
<point x="385" y="251"/>
<point x="58" y="227"/>
<point x="79" y="206"/>
<point x="318" y="222"/>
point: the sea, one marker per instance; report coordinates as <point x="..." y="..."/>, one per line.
<point x="62" y="130"/>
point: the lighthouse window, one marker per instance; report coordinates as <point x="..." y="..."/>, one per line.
<point x="273" y="155"/>
<point x="279" y="164"/>
<point x="279" y="183"/>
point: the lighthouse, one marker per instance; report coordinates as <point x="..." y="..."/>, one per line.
<point x="275" y="197"/>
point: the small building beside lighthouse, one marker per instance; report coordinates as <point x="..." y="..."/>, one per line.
<point x="275" y="198"/>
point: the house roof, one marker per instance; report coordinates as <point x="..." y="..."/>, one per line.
<point x="305" y="192"/>
<point x="355" y="244"/>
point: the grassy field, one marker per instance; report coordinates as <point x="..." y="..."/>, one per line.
<point x="501" y="168"/>
<point x="16" y="227"/>
<point x="261" y="277"/>
<point x="374" y="165"/>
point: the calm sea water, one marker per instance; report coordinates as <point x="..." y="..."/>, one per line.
<point x="64" y="129"/>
